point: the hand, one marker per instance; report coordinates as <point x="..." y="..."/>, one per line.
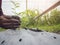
<point x="9" y="22"/>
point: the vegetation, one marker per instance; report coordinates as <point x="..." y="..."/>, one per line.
<point x="48" y="22"/>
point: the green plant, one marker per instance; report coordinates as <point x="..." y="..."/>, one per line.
<point x="27" y="20"/>
<point x="49" y="22"/>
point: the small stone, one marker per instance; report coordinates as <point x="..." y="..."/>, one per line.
<point x="2" y="41"/>
<point x="20" y="40"/>
<point x="54" y="37"/>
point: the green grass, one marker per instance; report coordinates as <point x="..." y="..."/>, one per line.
<point x="1" y="29"/>
<point x="53" y="28"/>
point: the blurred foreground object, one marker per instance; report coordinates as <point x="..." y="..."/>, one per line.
<point x="9" y="22"/>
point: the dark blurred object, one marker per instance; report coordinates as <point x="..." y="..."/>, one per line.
<point x="34" y="29"/>
<point x="1" y="12"/>
<point x="2" y="41"/>
<point x="9" y="22"/>
<point x="20" y="40"/>
<point x="54" y="37"/>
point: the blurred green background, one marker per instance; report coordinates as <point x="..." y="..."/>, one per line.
<point x="49" y="22"/>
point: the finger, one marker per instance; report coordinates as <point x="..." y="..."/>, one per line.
<point x="10" y="27"/>
<point x="5" y="21"/>
<point x="7" y="17"/>
<point x="16" y="17"/>
<point x="13" y="17"/>
<point x="9" y="21"/>
<point x="15" y="21"/>
<point x="8" y="24"/>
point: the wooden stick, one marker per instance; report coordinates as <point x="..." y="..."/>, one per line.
<point x="50" y="8"/>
